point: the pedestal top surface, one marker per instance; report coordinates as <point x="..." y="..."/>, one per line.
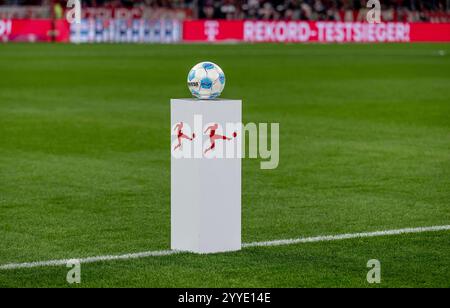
<point x="195" y="100"/>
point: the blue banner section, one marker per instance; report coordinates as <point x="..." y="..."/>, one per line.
<point x="126" y="31"/>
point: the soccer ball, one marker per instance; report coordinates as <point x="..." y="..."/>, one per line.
<point x="206" y="80"/>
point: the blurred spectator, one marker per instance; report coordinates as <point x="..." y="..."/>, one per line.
<point x="330" y="10"/>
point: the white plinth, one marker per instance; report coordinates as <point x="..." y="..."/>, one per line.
<point x="205" y="190"/>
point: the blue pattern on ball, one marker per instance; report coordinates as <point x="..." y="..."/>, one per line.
<point x="222" y="78"/>
<point x="206" y="83"/>
<point x="208" y="66"/>
<point x="195" y="93"/>
<point x="214" y="95"/>
<point x="191" y="75"/>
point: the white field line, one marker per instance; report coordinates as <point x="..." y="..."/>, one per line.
<point x="162" y="253"/>
<point x="338" y="237"/>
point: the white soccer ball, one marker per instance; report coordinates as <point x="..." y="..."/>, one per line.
<point x="206" y="80"/>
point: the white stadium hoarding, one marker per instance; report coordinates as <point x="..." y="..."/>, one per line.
<point x="126" y="31"/>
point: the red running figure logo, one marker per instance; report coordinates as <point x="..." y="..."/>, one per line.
<point x="180" y="135"/>
<point x="213" y="136"/>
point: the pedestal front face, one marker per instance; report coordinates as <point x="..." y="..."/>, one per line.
<point x="206" y="175"/>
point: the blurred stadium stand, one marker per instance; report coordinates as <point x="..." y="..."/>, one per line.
<point x="314" y="10"/>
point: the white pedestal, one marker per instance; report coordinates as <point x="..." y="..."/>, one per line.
<point x="205" y="190"/>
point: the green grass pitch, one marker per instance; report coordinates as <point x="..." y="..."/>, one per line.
<point x="364" y="146"/>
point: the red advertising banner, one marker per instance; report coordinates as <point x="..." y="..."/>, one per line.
<point x="323" y="32"/>
<point x="34" y="30"/>
<point x="213" y="30"/>
<point x="42" y="30"/>
<point x="428" y="32"/>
